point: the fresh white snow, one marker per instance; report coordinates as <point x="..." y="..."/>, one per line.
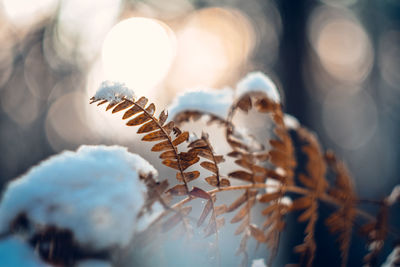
<point x="257" y="82"/>
<point x="95" y="192"/>
<point x="114" y="92"/>
<point x="211" y="101"/>
<point x="14" y="252"/>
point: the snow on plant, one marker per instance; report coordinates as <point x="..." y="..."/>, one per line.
<point x="95" y="194"/>
<point x="114" y="92"/>
<point x="267" y="173"/>
<point x="258" y="82"/>
<point x="203" y="101"/>
<point x="272" y="167"/>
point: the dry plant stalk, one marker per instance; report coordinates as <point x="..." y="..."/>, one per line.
<point x="256" y="167"/>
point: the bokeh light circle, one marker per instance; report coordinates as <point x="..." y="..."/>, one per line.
<point x="138" y="52"/>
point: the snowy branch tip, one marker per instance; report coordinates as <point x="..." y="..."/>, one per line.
<point x="114" y="92"/>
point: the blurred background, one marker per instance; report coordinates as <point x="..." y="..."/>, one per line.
<point x="337" y="63"/>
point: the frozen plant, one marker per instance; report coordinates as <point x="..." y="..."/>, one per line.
<point x="287" y="173"/>
<point x="268" y="174"/>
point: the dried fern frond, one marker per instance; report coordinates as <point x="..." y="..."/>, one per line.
<point x="341" y="221"/>
<point x="156" y="130"/>
<point x="167" y="136"/>
<point x="258" y="169"/>
<point x="248" y="199"/>
<point x="314" y="181"/>
<point x="281" y="156"/>
<point x="203" y="149"/>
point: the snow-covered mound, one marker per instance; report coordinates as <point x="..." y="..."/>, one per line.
<point x="95" y="192"/>
<point x="257" y="82"/>
<point x="209" y="101"/>
<point x="14" y="252"/>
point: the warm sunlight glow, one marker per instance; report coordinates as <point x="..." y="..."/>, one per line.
<point x="138" y="52"/>
<point x="213" y="43"/>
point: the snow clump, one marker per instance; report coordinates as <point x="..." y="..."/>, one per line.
<point x="258" y="82"/>
<point x="209" y="101"/>
<point x="114" y="92"/>
<point x="95" y="192"/>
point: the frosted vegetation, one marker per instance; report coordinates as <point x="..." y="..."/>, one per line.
<point x="105" y="198"/>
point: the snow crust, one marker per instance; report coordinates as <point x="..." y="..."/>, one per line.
<point x="213" y="101"/>
<point x="258" y="82"/>
<point x="258" y="263"/>
<point x="14" y="252"/>
<point x="114" y="92"/>
<point x="95" y="192"/>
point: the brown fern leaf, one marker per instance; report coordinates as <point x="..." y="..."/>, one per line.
<point x="315" y="181"/>
<point x="244" y="216"/>
<point x="376" y="233"/>
<point x="203" y="148"/>
<point x="214" y="223"/>
<point x="342" y="221"/>
<point x="281" y="155"/>
<point x="253" y="173"/>
<point x="156" y="130"/>
<point x="167" y="137"/>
